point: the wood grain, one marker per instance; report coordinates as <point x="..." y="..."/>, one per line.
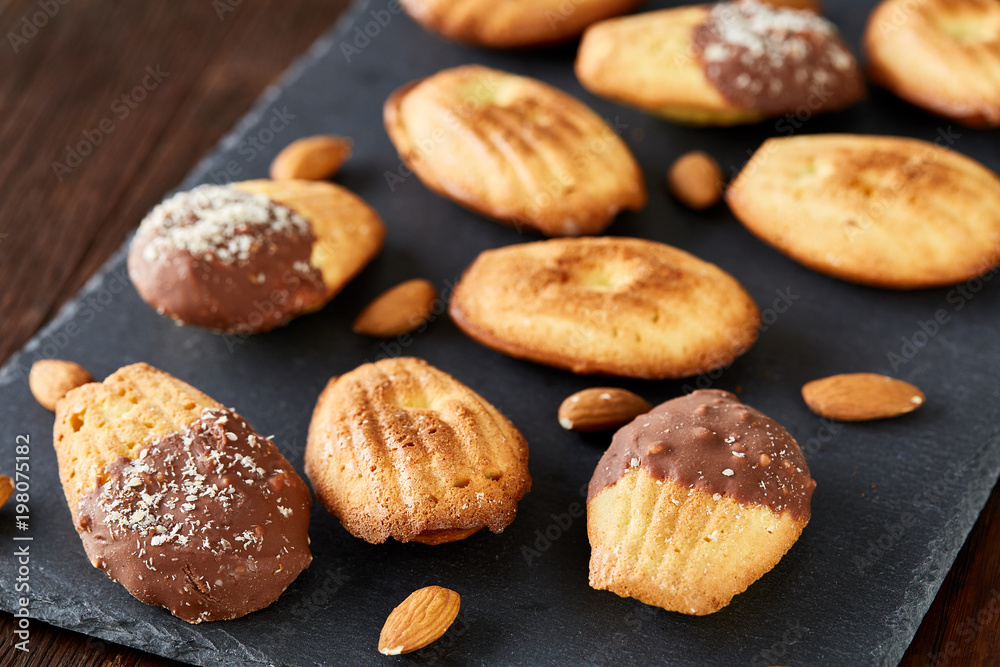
<point x="57" y="229"/>
<point x="54" y="234"/>
<point x="962" y="627"/>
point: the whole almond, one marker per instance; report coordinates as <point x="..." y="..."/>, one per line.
<point x="695" y="179"/>
<point x="420" y="619"/>
<point x="856" y="397"/>
<point x="6" y="488"/>
<point x="600" y="409"/>
<point x="311" y="158"/>
<point x="51" y="379"/>
<point x="398" y="310"/>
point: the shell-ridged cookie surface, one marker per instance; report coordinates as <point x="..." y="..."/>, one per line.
<point x="612" y="306"/>
<point x="657" y="542"/>
<point x="942" y="55"/>
<point x="883" y="211"/>
<point x="514" y="149"/>
<point x="398" y="448"/>
<point x="513" y="23"/>
<point x="177" y="498"/>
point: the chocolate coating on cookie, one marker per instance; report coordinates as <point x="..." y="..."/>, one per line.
<point x="210" y="522"/>
<point x="226" y="260"/>
<point x="774" y="60"/>
<point x="710" y="441"/>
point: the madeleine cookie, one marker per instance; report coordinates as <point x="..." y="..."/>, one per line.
<point x="401" y="449"/>
<point x="248" y="257"/>
<point x="881" y="211"/>
<point x="514" y="23"/>
<point x="942" y="55"/>
<point x="177" y="498"/>
<point x="614" y="306"/>
<point x="514" y="149"/>
<point x="721" y="64"/>
<point x="695" y="501"/>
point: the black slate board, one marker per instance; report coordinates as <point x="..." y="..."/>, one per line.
<point x="894" y="503"/>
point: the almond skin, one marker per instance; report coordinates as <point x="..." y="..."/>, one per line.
<point x="51" y="379"/>
<point x="600" y="409"/>
<point x="695" y="179"/>
<point x="419" y="620"/>
<point x="6" y="488"/>
<point x="398" y="310"/>
<point x="311" y="158"/>
<point x="857" y="397"/>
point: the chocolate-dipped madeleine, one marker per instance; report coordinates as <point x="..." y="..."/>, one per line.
<point x="694" y="501"/>
<point x="177" y="498"/>
<point x="722" y="63"/>
<point x="248" y="257"/>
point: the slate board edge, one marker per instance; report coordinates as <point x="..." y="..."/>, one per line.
<point x="921" y="591"/>
<point x="927" y="581"/>
<point x="17" y="366"/>
<point x="9" y="371"/>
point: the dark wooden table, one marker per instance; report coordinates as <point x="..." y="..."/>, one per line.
<point x="212" y="58"/>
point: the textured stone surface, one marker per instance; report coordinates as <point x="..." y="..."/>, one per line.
<point x="894" y="501"/>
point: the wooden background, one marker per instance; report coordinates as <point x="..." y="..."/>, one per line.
<point x="62" y="79"/>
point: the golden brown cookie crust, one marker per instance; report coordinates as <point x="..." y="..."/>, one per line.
<point x="611" y="306"/>
<point x="942" y="55"/>
<point x="678" y="548"/>
<point x="400" y="449"/>
<point x="90" y="431"/>
<point x="888" y="212"/>
<point x="614" y="61"/>
<point x="514" y="149"/>
<point x="514" y="23"/>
